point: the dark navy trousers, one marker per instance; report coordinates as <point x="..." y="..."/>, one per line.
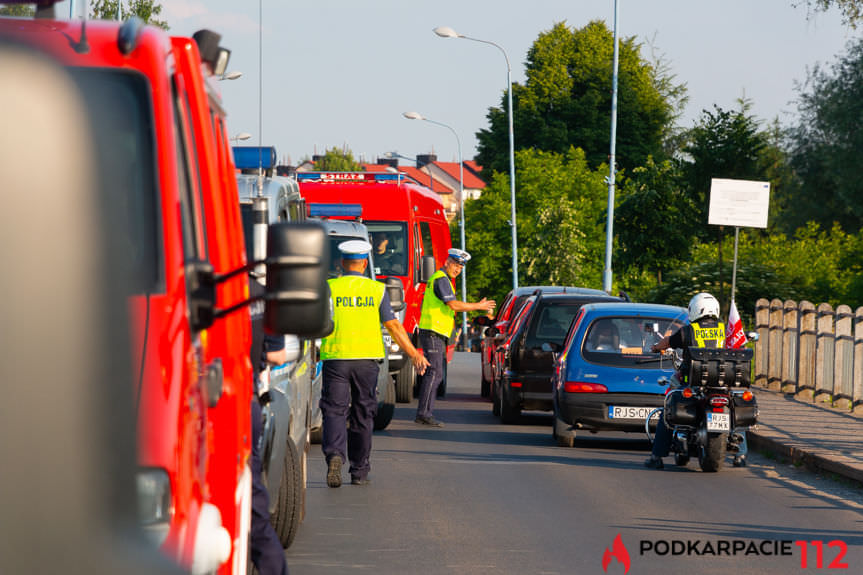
<point x="349" y="397"/>
<point x="434" y="348"/>
<point x="265" y="549"/>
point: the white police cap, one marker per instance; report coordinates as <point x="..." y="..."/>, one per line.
<point x="458" y="256"/>
<point x="355" y="249"/>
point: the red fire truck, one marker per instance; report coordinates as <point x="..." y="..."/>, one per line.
<point x="410" y="235"/>
<point x="159" y="134"/>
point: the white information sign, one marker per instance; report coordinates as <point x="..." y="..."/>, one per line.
<point x="741" y="203"/>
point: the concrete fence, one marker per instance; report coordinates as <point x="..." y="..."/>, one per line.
<point x="815" y="353"/>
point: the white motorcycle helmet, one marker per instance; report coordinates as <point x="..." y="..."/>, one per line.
<point x="703" y="305"/>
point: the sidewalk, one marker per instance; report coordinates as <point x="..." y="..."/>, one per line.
<point x="819" y="437"/>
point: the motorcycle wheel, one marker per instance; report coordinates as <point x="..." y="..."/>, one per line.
<point x="711" y="455"/>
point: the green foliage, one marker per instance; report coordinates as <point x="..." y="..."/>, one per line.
<point x="146" y="10"/>
<point x="826" y="145"/>
<point x="560" y="209"/>
<point x="336" y="160"/>
<point x="852" y="10"/>
<point x="566" y="101"/>
<point x="18" y="10"/>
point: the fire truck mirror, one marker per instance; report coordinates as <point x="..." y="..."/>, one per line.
<point x="428" y="268"/>
<point x="396" y="292"/>
<point x="202" y="294"/>
<point x="297" y="298"/>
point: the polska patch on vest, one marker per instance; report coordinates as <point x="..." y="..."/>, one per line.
<point x="355" y="301"/>
<point x="707" y="333"/>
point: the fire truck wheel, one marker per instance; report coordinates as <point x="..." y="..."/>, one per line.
<point x="286" y="518"/>
<point x="386" y="408"/>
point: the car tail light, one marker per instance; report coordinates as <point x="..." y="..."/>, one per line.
<point x="718" y="400"/>
<point x="515" y="384"/>
<point x="584" y="387"/>
<point x="747" y="395"/>
<point x="687" y="392"/>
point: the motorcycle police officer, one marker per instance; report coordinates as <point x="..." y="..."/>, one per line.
<point x="350" y="357"/>
<point x="437" y="319"/>
<point x="704" y="330"/>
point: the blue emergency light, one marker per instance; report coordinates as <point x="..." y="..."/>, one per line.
<point x="335" y="210"/>
<point x="252" y="157"/>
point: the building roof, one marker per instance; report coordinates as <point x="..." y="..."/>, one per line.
<point x="471" y="181"/>
<point x="423" y="179"/>
<point x="376" y="168"/>
<point x="473" y="167"/>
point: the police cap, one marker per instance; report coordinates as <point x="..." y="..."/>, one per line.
<point x="458" y="256"/>
<point x="355" y="249"/>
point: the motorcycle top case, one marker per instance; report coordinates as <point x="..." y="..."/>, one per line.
<point x="719" y="367"/>
<point x="680" y="410"/>
<point x="745" y="412"/>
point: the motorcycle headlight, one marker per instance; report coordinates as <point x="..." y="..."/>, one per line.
<point x="154" y="504"/>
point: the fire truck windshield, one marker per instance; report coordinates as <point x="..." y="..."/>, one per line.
<point x="389" y="246"/>
<point x="335" y="269"/>
<point x="120" y="106"/>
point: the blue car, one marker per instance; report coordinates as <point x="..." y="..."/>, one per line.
<point x="606" y="377"/>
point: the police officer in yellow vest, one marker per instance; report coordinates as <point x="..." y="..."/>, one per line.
<point x="350" y="357"/>
<point x="436" y="324"/>
<point x="703" y="330"/>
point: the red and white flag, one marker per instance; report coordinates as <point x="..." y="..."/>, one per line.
<point x="734" y="335"/>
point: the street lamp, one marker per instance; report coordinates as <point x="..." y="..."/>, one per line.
<point x="447" y="32"/>
<point x="418" y="116"/>
<point x="609" y="226"/>
<point x="240" y="137"/>
<point x="231" y="75"/>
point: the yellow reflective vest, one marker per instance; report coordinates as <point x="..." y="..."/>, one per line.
<point x="435" y="314"/>
<point x="356" y="318"/>
<point x="709" y="336"/>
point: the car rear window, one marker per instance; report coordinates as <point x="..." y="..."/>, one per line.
<point x="626" y="341"/>
<point x="552" y="323"/>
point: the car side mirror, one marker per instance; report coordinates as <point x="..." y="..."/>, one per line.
<point x="297" y="295"/>
<point x="482" y="321"/>
<point x="427" y="268"/>
<point x="396" y="291"/>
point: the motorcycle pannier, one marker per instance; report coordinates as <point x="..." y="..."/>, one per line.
<point x="745" y="412"/>
<point x="719" y="367"/>
<point x="680" y="410"/>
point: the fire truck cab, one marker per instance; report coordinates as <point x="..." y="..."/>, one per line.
<point x="410" y="237"/>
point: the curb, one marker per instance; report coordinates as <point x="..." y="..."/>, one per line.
<point x="812" y="461"/>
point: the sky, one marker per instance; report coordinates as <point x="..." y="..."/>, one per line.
<point x="341" y="72"/>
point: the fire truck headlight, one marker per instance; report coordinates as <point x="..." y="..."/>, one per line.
<point x="154" y="504"/>
<point x="394" y="347"/>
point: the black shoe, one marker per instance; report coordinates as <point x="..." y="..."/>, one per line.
<point x="360" y="480"/>
<point x="334" y="471"/>
<point x="739" y="461"/>
<point x="430" y="421"/>
<point x="654" y="462"/>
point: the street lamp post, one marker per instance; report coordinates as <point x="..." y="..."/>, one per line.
<point x="447" y="32"/>
<point x="418" y="116"/>
<point x="609" y="226"/>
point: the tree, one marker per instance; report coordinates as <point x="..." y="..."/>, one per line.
<point x="336" y="160"/>
<point x="566" y="101"/>
<point x="18" y="10"/>
<point x="146" y="10"/>
<point x="826" y="145"/>
<point x="852" y="10"/>
<point x="560" y="211"/>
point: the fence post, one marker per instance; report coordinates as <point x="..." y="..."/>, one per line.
<point x="857" y="400"/>
<point x="806" y="352"/>
<point x="774" y="355"/>
<point x="843" y="370"/>
<point x="824" y="352"/>
<point x="789" y="347"/>
<point x="762" y="323"/>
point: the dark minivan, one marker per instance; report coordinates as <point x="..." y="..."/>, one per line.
<point x="525" y="359"/>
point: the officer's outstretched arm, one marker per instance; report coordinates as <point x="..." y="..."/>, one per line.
<point x="399" y="334"/>
<point x="482" y="305"/>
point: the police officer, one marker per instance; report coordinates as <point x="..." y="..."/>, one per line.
<point x="436" y="324"/>
<point x="350" y="357"/>
<point x="703" y="330"/>
<point x="265" y="549"/>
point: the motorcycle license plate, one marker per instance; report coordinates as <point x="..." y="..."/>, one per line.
<point x="629" y="412"/>
<point x="718" y="421"/>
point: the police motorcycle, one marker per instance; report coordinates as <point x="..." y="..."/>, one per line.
<point x="708" y="417"/>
